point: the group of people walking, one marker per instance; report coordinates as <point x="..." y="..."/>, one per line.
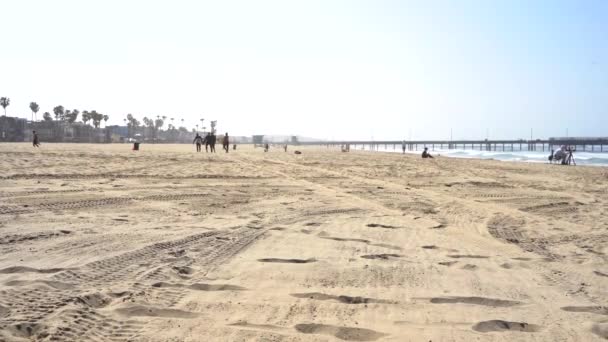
<point x="209" y="141"/>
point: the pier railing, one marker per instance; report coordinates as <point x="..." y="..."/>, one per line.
<point x="592" y="145"/>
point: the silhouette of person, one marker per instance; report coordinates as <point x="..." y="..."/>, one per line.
<point x="426" y="154"/>
<point x="207" y="142"/>
<point x="198" y="140"/>
<point x="226" y="143"/>
<point x="213" y="139"/>
<point x="35" y="141"/>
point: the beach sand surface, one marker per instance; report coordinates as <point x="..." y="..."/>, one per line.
<point x="101" y="243"/>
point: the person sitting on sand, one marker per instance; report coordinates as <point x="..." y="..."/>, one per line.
<point x="426" y="154"/>
<point x="198" y="140"/>
<point x="35" y="141"/>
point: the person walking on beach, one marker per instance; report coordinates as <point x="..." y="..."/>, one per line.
<point x="403" y="146"/>
<point x="198" y="140"/>
<point x="226" y="143"/>
<point x="212" y="141"/>
<point x="426" y="154"/>
<point x="207" y="141"/>
<point x="35" y="140"/>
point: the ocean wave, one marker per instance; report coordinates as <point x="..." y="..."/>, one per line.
<point x="582" y="158"/>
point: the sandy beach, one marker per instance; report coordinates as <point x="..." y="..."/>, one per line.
<point x="101" y="243"/>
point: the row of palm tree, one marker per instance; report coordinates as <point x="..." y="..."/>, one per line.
<point x="61" y="114"/>
<point x="71" y="116"/>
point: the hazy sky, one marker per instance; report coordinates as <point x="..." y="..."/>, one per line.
<point x="326" y="69"/>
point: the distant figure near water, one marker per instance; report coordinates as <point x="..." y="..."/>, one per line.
<point x="198" y="140"/>
<point x="35" y="141"/>
<point x="564" y="154"/>
<point x="560" y="155"/>
<point x="403" y="146"/>
<point x="426" y="154"/>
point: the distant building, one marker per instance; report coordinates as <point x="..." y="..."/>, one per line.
<point x="257" y="140"/>
<point x="12" y="129"/>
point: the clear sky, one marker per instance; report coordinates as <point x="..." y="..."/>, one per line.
<point x="326" y="69"/>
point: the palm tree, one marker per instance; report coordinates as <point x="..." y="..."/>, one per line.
<point x="34" y="107"/>
<point x="96" y="117"/>
<point x="58" y="112"/>
<point x="4" y="102"/>
<point x="86" y="116"/>
<point x="71" y="115"/>
<point x="47" y="116"/>
<point x="105" y="120"/>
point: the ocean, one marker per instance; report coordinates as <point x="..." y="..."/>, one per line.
<point x="580" y="157"/>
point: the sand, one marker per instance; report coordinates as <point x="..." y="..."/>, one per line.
<point x="101" y="243"/>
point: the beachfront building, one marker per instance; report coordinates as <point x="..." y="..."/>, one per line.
<point x="12" y="128"/>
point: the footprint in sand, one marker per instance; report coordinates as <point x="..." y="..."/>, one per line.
<point x="202" y="287"/>
<point x="93" y="300"/>
<point x="288" y="261"/>
<point x="460" y="256"/>
<point x="381" y="256"/>
<point x="377" y="225"/>
<point x="341" y="299"/>
<point x="183" y="270"/>
<point x="469" y="267"/>
<point x="342" y="333"/>
<point x="475" y="301"/>
<point x="447" y="263"/>
<point x="150" y="311"/>
<point x="600" y="274"/>
<point x="499" y="326"/>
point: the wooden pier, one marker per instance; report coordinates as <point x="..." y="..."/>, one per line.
<point x="545" y="145"/>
